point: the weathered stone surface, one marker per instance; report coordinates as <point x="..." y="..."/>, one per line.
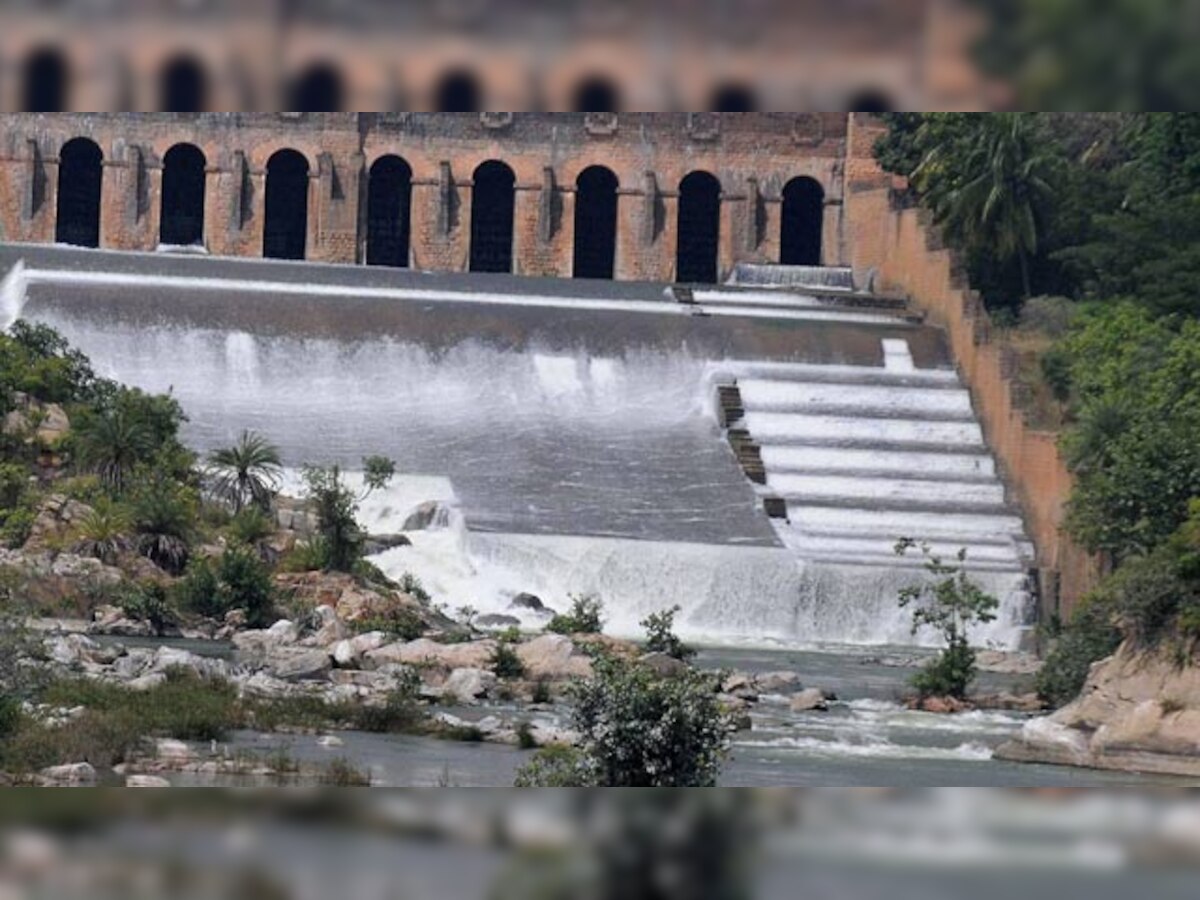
<point x="468" y="685"/>
<point x="166" y="658"/>
<point x="496" y="622"/>
<point x="349" y="652"/>
<point x="69" y="774"/>
<point x="527" y="601"/>
<point x="58" y="518"/>
<point x="146" y="781"/>
<point x="777" y="682"/>
<point x="294" y="664"/>
<point x="553" y="656"/>
<point x="424" y="652"/>
<point x="172" y="751"/>
<point x="663" y="665"/>
<point x="430" y="514"/>
<point x="809" y="700"/>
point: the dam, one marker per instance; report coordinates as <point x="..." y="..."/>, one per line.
<point x="750" y="451"/>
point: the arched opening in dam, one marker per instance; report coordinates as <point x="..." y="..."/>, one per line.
<point x="801" y="222"/>
<point x="596" y="94"/>
<point x="699" y="228"/>
<point x="458" y="92"/>
<point x="183" y="86"/>
<point x="286" y="227"/>
<point x="595" y="223"/>
<point x="317" y="89"/>
<point x="733" y="97"/>
<point x="44" y="81"/>
<point x="80" y="170"/>
<point x="183" y="196"/>
<point x="389" y="201"/>
<point x="492" y="218"/>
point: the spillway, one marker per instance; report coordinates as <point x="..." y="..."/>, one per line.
<point x="573" y="429"/>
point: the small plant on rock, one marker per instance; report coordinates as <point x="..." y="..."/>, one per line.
<point x="505" y="663"/>
<point x="584" y="617"/>
<point x="336" y="507"/>
<point x="949" y="602"/>
<point x="661" y="637"/>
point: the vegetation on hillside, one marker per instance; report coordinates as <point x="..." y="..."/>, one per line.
<point x="1107" y="208"/>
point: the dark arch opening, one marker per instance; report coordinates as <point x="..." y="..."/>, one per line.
<point x="597" y="94"/>
<point x="45" y="82"/>
<point x="801" y="223"/>
<point x="699" y="228"/>
<point x="184" y="86"/>
<point x="733" y="98"/>
<point x="285" y="231"/>
<point x="80" y="172"/>
<point x="183" y="196"/>
<point x="492" y="218"/>
<point x="318" y="89"/>
<point x="389" y="198"/>
<point x="870" y="102"/>
<point x="458" y="92"/>
<point x="595" y="223"/>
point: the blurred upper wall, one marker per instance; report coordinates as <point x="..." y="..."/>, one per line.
<point x="478" y="55"/>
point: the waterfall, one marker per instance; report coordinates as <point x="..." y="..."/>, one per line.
<point x="576" y="441"/>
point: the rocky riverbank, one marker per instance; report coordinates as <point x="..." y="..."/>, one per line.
<point x="1139" y="711"/>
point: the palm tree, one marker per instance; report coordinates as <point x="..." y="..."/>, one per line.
<point x="111" y="444"/>
<point x="248" y="472"/>
<point x="1001" y="182"/>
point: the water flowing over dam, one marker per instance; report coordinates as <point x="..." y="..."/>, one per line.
<point x="575" y="430"/>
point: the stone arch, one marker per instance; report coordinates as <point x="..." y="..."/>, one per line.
<point x="389" y="207"/>
<point x="596" y="94"/>
<point x="733" y="97"/>
<point x="801" y="222"/>
<point x="458" y="91"/>
<point x="699" y="228"/>
<point x="285" y="226"/>
<point x="183" y="86"/>
<point x="595" y="223"/>
<point x="319" y="88"/>
<point x="492" y="212"/>
<point x="45" y="81"/>
<point x="870" y="100"/>
<point x="182" y="219"/>
<point x="80" y="175"/>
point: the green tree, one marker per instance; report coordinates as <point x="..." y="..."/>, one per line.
<point x="661" y="637"/>
<point x="336" y="506"/>
<point x="247" y="473"/>
<point x="949" y="602"/>
<point x="111" y="444"/>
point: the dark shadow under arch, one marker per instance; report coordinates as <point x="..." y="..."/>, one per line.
<point x="389" y="202"/>
<point x="699" y="228"/>
<point x="870" y="101"/>
<point x="45" y="80"/>
<point x="458" y="92"/>
<point x="492" y="202"/>
<point x="80" y="175"/>
<point x="801" y="223"/>
<point x="285" y="229"/>
<point x="317" y="89"/>
<point x="183" y="86"/>
<point x="596" y="94"/>
<point x="733" y="98"/>
<point x="595" y="223"/>
<point x="182" y="220"/>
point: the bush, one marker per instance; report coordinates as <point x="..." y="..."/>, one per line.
<point x="249" y="526"/>
<point x="401" y="712"/>
<point x="164" y="517"/>
<point x="147" y="602"/>
<point x="18" y="525"/>
<point x="342" y="773"/>
<point x="1088" y="638"/>
<point x="505" y="662"/>
<point x="411" y="585"/>
<point x="555" y="766"/>
<point x="660" y="635"/>
<point x="638" y="729"/>
<point x="405" y="623"/>
<point x="584" y="617"/>
<point x="239" y="581"/>
<point x="198" y="590"/>
<point x="10" y="715"/>
<point x="104" y="532"/>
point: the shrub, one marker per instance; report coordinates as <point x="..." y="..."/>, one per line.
<point x="18" y="525"/>
<point x="1089" y="637"/>
<point x="402" y="711"/>
<point x="660" y="635"/>
<point x="247" y="473"/>
<point x="336" y="507"/>
<point x="556" y="766"/>
<point x="342" y="773"/>
<point x="238" y="581"/>
<point x="10" y="715"/>
<point x="411" y="585"/>
<point x="147" y="602"/>
<point x="164" y="516"/>
<point x="525" y="739"/>
<point x="584" y="617"/>
<point x="949" y="602"/>
<point x="505" y="662"/>
<point x="541" y="692"/>
<point x="249" y="526"/>
<point x="104" y="532"/>
<point x="401" y="621"/>
<point x="198" y="590"/>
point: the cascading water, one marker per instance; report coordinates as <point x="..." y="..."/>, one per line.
<point x="835" y="278"/>
<point x="576" y="445"/>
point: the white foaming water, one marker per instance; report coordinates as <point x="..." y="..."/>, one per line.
<point x="868" y="749"/>
<point x="12" y="295"/>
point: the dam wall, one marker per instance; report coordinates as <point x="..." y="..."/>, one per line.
<point x="901" y="250"/>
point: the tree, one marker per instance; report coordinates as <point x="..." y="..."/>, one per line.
<point x="336" y="507"/>
<point x="247" y="473"/>
<point x="110" y="444"/>
<point x="661" y="637"/>
<point x="992" y="195"/>
<point x="948" y="602"/>
<point x="640" y="729"/>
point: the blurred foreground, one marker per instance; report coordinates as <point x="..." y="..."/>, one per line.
<point x="594" y="844"/>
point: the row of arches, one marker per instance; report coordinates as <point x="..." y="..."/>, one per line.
<point x="185" y="85"/>
<point x="389" y="212"/>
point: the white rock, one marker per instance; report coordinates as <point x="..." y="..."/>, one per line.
<point x="554" y="656"/>
<point x="811" y="699"/>
<point x="468" y="685"/>
<point x="146" y="781"/>
<point x="329" y="740"/>
<point x="348" y="653"/>
<point x="172" y="751"/>
<point x="72" y="773"/>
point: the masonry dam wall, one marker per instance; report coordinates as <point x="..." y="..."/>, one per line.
<point x="749" y="453"/>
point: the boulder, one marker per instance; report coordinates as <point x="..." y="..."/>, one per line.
<point x="57" y="519"/>
<point x="378" y="543"/>
<point x="74" y="650"/>
<point x="260" y="684"/>
<point x="146" y="682"/>
<point x="424" y="652"/>
<point x="294" y="664"/>
<point x="777" y="682"/>
<point x="348" y="652"/>
<point x="663" y="665"/>
<point x="329" y="740"/>
<point x="468" y="685"/>
<point x="809" y="700"/>
<point x="166" y="658"/>
<point x="329" y="628"/>
<point x="132" y="663"/>
<point x="553" y="656"/>
<point x="146" y="781"/>
<point x="69" y="774"/>
<point x="428" y="515"/>
<point x="171" y="751"/>
<point x="528" y="601"/>
<point x="496" y="622"/>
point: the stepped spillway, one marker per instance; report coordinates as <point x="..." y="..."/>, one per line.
<point x="571" y="429"/>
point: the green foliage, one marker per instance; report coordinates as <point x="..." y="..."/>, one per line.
<point x="541" y="692"/>
<point x="247" y="473"/>
<point x="37" y="361"/>
<point x="400" y="621"/>
<point x="147" y="601"/>
<point x="525" y="739"/>
<point x="239" y="580"/>
<point x="556" y="766"/>
<point x="661" y="637"/>
<point x="505" y="663"/>
<point x="198" y="591"/>
<point x="18" y="525"/>
<point x="583" y="618"/>
<point x="336" y="507"/>
<point x="401" y="712"/>
<point x="249" y="526"/>
<point x="18" y="500"/>
<point x="1089" y="637"/>
<point x="164" y="516"/>
<point x="638" y="729"/>
<point x="125" y="429"/>
<point x="410" y="584"/>
<point x="105" y="531"/>
<point x="949" y="602"/>
<point x="377" y="472"/>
